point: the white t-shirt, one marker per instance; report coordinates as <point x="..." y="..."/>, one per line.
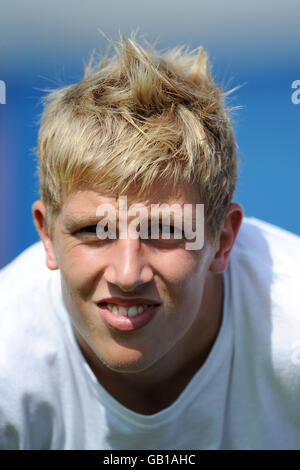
<point x="245" y="396"/>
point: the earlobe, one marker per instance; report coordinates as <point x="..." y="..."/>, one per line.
<point x="39" y="217"/>
<point x="227" y="238"/>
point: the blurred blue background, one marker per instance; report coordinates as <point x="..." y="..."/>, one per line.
<point x="257" y="44"/>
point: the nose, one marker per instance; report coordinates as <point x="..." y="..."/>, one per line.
<point x="128" y="267"/>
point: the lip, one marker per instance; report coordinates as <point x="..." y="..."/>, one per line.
<point x="126" y="302"/>
<point x="126" y="324"/>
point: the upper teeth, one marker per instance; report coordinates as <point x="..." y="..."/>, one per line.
<point x="130" y="312"/>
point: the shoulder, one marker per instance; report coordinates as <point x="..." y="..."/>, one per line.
<point x="31" y="346"/>
<point x="265" y="297"/>
<point x="268" y="245"/>
<point x="23" y="268"/>
<point x="30" y="331"/>
<point x="265" y="265"/>
<point x="26" y="298"/>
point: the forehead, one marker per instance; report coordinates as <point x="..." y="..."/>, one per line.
<point x="87" y="200"/>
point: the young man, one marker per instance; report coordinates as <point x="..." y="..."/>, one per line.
<point x="123" y="339"/>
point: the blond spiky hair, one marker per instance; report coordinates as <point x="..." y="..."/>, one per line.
<point x="135" y="119"/>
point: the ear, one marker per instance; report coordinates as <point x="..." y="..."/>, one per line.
<point x="39" y="217"/>
<point x="227" y="238"/>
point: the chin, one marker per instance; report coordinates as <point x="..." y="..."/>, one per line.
<point x="125" y="360"/>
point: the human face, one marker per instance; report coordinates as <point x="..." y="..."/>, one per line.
<point x="127" y="272"/>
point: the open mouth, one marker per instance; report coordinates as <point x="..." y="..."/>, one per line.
<point x="126" y="318"/>
<point x="131" y="311"/>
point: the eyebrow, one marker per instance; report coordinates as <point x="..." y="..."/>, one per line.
<point x="75" y="221"/>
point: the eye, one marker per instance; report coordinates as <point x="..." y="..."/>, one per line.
<point x="88" y="229"/>
<point x="99" y="233"/>
<point x="165" y="235"/>
<point x="170" y="231"/>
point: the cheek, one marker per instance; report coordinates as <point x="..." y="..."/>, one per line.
<point x="184" y="267"/>
<point x="182" y="277"/>
<point x="81" y="269"/>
